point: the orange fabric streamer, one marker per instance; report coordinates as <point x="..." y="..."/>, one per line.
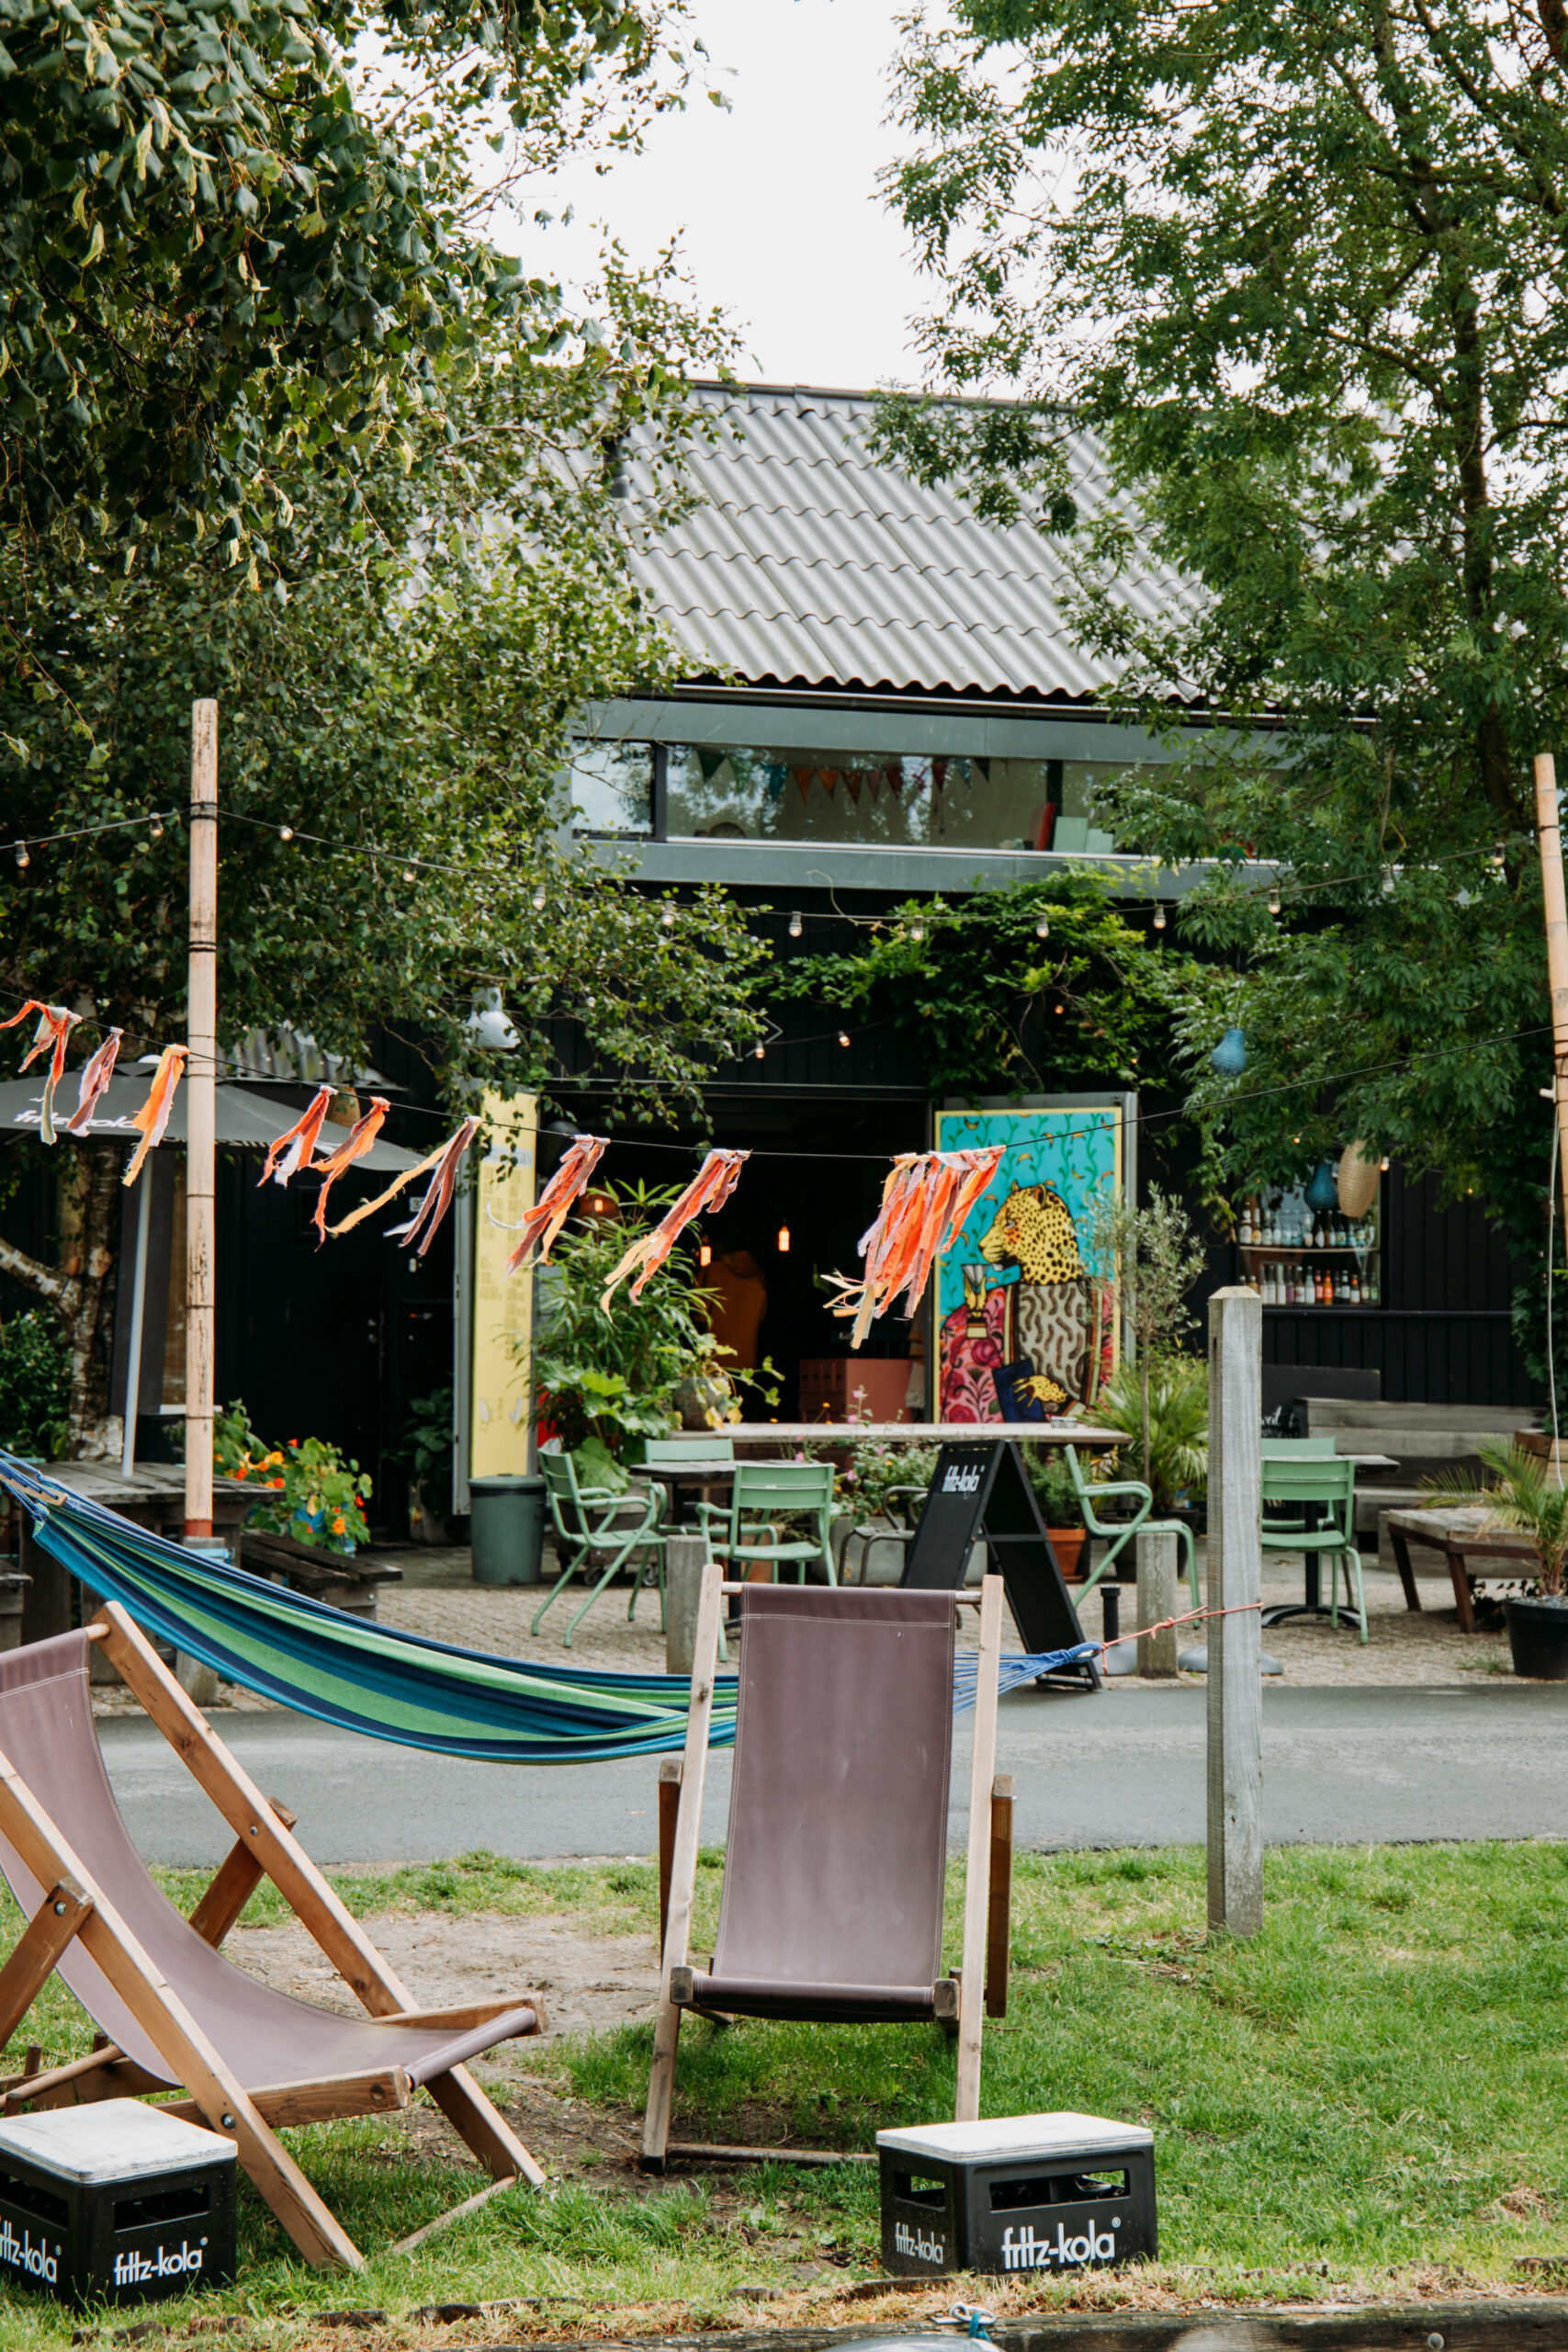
<point x="92" y="1083"/>
<point x="355" y="1145"/>
<point x="153" y="1115"/>
<point x="551" y="1211"/>
<point x="55" y="1024"/>
<point x="296" y="1146"/>
<point x="925" y="1199"/>
<point x="446" y="1160"/>
<point x="709" y="1189"/>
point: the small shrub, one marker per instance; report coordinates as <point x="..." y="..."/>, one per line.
<point x="35" y="1386"/>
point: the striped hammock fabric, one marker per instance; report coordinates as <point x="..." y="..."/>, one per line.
<point x="391" y="1685"/>
<point x="367" y="1678"/>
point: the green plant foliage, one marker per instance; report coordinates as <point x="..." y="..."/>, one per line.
<point x="876" y="1467"/>
<point x="1525" y="1492"/>
<point x="427" y="1448"/>
<point x="1174" y="1461"/>
<point x="1053" y="1484"/>
<point x="35" y="1386"/>
<point x="309" y="1490"/>
<point x="993" y="1006"/>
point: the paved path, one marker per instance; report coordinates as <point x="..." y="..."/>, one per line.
<point x="1345" y="1764"/>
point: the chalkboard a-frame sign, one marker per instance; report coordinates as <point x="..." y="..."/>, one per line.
<point x="981" y="1494"/>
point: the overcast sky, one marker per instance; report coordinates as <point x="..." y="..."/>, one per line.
<point x="775" y="196"/>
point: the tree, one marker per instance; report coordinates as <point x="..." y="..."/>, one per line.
<point x="237" y="235"/>
<point x="403" y="707"/>
<point x="1302" y="273"/>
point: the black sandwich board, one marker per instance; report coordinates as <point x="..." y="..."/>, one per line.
<point x="981" y="1494"/>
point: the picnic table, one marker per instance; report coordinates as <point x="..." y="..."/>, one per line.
<point x="1463" y="1532"/>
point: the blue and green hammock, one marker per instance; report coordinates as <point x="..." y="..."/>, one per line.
<point x="374" y="1679"/>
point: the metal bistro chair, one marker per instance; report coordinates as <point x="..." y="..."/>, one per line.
<point x="593" y="1520"/>
<point x="766" y="1491"/>
<point x="1293" y="1476"/>
<point x="1120" y="1532"/>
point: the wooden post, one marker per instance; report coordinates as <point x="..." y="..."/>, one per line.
<point x="683" y="1868"/>
<point x="201" y="1112"/>
<point x="1235" y="1582"/>
<point x="1555" y="902"/>
<point x="978" y="1869"/>
<point x="1157" y="1588"/>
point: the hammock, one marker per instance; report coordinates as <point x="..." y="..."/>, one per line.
<point x="374" y="1679"/>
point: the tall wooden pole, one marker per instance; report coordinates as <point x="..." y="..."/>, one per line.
<point x="1235" y="1583"/>
<point x="201" y="1115"/>
<point x="1555" y="903"/>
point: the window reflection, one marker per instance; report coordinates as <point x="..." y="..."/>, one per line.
<point x="611" y="785"/>
<point x="743" y="792"/>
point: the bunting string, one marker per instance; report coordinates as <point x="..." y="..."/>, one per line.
<point x="926" y="1198"/>
<point x="709" y="1189"/>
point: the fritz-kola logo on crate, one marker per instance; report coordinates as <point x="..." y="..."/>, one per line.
<point x="915" y="2246"/>
<point x="1022" y="2250"/>
<point x="22" y="2255"/>
<point x="135" y="2270"/>
<point x="962" y="1480"/>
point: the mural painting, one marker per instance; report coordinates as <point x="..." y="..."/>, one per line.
<point x="1026" y="1325"/>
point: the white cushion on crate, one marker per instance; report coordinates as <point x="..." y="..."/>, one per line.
<point x="114" y="2139"/>
<point x="1006" y="2136"/>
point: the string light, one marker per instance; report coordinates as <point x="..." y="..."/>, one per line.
<point x="1041" y="925"/>
<point x="668" y="918"/>
<point x="156" y="829"/>
<point x="796" y="925"/>
<point x="1159" y="914"/>
<point x="1273" y="897"/>
<point x="784" y="1241"/>
<point x="538" y="897"/>
<point x="286" y="833"/>
<point x="409" y="875"/>
<point x="1058" y="1008"/>
<point x="918" y="928"/>
<point x="1500" y="854"/>
<point x="23" y="860"/>
<point x="843" y="1037"/>
<point x="759" y="1052"/>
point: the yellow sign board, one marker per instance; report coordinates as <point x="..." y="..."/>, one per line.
<point x="504" y="1306"/>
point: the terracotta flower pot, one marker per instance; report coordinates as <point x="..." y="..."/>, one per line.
<point x="1538" y="1636"/>
<point x="1068" y="1543"/>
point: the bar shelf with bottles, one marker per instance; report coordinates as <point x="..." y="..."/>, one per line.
<point x="1295" y="1255"/>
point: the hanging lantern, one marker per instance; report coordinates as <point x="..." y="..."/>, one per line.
<point x="784" y="1241"/>
<point x="1323" y="1193"/>
<point x="1356" y="1187"/>
<point x="1229" y="1056"/>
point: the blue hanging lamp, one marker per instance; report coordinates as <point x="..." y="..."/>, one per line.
<point x="1229" y="1056"/>
<point x="1322" y="1191"/>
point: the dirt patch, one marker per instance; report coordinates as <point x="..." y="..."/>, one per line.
<point x="588" y="1982"/>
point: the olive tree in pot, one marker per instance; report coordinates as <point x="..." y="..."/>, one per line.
<point x="1527" y="1495"/>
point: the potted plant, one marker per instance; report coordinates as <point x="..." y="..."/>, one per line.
<point x="1162" y="1406"/>
<point x="1527" y="1495"/>
<point x="1058" y="1500"/>
<point x="427" y="1453"/>
<point x="875" y="1481"/>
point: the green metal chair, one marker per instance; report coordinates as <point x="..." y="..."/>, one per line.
<point x="765" y="1492"/>
<point x="1298" y="1449"/>
<point x="580" y="1536"/>
<point x="1330" y="1483"/>
<point x="1120" y="1532"/>
<point x="696" y="1447"/>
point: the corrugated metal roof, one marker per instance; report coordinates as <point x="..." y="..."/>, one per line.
<point x="812" y="563"/>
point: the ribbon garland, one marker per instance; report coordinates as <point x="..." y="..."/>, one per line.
<point x="93" y="1083"/>
<point x="709" y="1189"/>
<point x="549" y="1211"/>
<point x="445" y="1159"/>
<point x="55" y="1024"/>
<point x="153" y="1115"/>
<point x="925" y="1199"/>
<point x="296" y="1146"/>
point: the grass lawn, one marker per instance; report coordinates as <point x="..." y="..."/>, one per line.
<point x="1377" y="2084"/>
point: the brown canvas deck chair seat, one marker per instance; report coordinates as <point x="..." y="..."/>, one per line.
<point x="177" y="2012"/>
<point x="835" y="1866"/>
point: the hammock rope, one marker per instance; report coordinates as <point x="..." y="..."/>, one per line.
<point x="391" y="1685"/>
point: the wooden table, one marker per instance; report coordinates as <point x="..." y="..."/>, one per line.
<point x="1461" y="1534"/>
<point x="920" y="1433"/>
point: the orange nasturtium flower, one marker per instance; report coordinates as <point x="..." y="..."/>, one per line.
<point x="337" y="1526"/>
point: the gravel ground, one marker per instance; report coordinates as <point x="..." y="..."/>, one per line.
<point x="437" y="1597"/>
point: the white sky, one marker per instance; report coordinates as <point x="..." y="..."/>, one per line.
<point x="775" y="199"/>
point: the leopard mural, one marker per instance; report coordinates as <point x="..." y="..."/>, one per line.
<point x="1051" y="1315"/>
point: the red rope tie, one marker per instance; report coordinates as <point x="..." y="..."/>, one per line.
<point x="1192" y="1617"/>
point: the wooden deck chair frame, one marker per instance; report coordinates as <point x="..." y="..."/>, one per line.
<point x="265" y="1848"/>
<point x="980" y="1986"/>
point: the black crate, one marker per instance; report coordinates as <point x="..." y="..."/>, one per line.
<point x="115" y="2203"/>
<point x="1022" y="2192"/>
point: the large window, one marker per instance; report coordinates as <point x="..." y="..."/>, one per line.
<point x="869" y="799"/>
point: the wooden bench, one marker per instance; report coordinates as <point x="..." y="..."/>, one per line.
<point x="1423" y="1440"/>
<point x="342" y="1580"/>
<point x="1460" y="1534"/>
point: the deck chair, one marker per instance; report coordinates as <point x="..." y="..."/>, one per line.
<point x="836" y="1861"/>
<point x="176" y="2013"/>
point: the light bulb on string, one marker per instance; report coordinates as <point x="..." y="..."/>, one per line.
<point x="1500" y="854"/>
<point x="156" y="829"/>
<point x="759" y="1053"/>
<point x="286" y="833"/>
<point x="1043" y="925"/>
<point x="1159" y="914"/>
<point x="668" y="918"/>
<point x="796" y="925"/>
<point x="783" y="1244"/>
<point x="538" y="897"/>
<point x="918" y="928"/>
<point x="409" y="875"/>
<point x="1273" y="897"/>
<point x="23" y="860"/>
<point x="843" y="1037"/>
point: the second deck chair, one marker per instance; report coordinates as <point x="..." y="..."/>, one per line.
<point x="177" y="2012"/>
<point x="835" y="1868"/>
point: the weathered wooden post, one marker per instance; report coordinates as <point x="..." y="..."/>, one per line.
<point x="1157" y="1588"/>
<point x="1235" y="1582"/>
<point x="201" y="1113"/>
<point x="1554" y="904"/>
